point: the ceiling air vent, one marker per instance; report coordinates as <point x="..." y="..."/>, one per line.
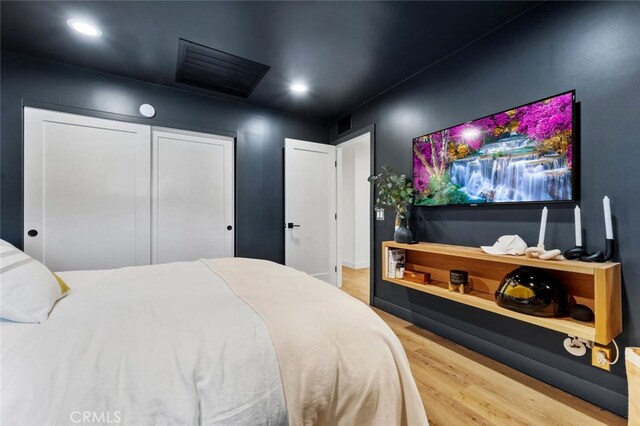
<point x="344" y="124"/>
<point x="212" y="69"/>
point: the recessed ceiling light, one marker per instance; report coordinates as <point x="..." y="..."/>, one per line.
<point x="84" y="28"/>
<point x="298" y="87"/>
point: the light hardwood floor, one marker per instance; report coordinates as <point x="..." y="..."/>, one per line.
<point x="461" y="387"/>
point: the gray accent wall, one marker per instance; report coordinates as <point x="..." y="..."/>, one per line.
<point x="259" y="133"/>
<point x="592" y="47"/>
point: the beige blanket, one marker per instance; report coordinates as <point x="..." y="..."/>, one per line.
<point x="340" y="363"/>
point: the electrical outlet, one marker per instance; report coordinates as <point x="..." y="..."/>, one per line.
<point x="379" y="214"/>
<point x="601" y="357"/>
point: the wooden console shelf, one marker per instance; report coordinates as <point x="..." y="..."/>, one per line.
<point x="596" y="285"/>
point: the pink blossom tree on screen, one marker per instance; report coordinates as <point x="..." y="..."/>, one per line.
<point x="544" y="120"/>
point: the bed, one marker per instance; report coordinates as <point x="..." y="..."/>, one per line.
<point x="224" y="341"/>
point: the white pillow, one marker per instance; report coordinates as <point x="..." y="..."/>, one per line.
<point x="28" y="290"/>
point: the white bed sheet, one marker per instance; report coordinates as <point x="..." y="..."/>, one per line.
<point x="164" y="345"/>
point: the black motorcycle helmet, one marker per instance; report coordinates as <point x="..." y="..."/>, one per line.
<point x="532" y="291"/>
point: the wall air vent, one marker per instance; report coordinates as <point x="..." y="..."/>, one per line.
<point x="212" y="69"/>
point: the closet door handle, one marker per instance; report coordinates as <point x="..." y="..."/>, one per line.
<point x="32" y="233"/>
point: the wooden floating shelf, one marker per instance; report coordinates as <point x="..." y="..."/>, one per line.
<point x="596" y="285"/>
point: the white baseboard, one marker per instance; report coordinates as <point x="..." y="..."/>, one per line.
<point x="355" y="265"/>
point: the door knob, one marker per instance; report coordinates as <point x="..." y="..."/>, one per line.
<point x="229" y="227"/>
<point x="290" y="225"/>
<point x="32" y="232"/>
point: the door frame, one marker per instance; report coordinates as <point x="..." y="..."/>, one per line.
<point x="124" y="117"/>
<point x="371" y="129"/>
<point x="339" y="182"/>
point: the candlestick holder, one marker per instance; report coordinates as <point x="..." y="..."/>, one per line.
<point x="575" y="253"/>
<point x="598" y="256"/>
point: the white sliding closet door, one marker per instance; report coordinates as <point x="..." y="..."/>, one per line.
<point x="86" y="191"/>
<point x="192" y="196"/>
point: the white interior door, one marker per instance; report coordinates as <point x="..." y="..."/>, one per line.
<point x="86" y="191"/>
<point x="353" y="201"/>
<point x="310" y="208"/>
<point x="192" y="196"/>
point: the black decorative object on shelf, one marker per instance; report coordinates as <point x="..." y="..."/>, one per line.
<point x="533" y="292"/>
<point x="459" y="280"/>
<point x="575" y="253"/>
<point x="581" y="313"/>
<point x="403" y="234"/>
<point x="599" y="256"/>
<point x="578" y="251"/>
<point x="458" y="277"/>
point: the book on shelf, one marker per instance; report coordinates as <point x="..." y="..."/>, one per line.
<point x="393" y="257"/>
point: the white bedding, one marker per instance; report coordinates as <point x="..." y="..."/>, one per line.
<point x="225" y="341"/>
<point x="159" y="345"/>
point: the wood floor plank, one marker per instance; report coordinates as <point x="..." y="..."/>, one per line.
<point x="461" y="387"/>
<point x="473" y="399"/>
<point x="443" y="410"/>
<point x="434" y="377"/>
<point x="499" y="404"/>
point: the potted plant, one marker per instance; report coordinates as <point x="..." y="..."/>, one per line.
<point x="394" y="191"/>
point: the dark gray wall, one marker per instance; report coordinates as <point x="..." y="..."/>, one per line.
<point x="590" y="47"/>
<point x="260" y="138"/>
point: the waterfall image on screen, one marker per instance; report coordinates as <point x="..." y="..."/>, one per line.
<point x="521" y="155"/>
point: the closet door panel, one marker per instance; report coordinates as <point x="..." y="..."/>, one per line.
<point x="192" y="196"/>
<point x="87" y="191"/>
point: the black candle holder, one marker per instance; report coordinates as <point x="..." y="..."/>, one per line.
<point x="575" y="253"/>
<point x="598" y="256"/>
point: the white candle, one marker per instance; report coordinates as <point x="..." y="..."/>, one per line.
<point x="543" y="227"/>
<point x="608" y="226"/>
<point x="578" y="224"/>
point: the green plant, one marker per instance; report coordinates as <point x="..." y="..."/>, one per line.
<point x="394" y="191"/>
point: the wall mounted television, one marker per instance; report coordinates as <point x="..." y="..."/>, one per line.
<point x="521" y="155"/>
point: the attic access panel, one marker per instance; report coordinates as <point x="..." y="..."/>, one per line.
<point x="213" y="69"/>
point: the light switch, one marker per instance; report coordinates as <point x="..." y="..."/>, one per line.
<point x="379" y="214"/>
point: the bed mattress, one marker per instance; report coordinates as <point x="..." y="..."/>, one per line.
<point x="225" y="341"/>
